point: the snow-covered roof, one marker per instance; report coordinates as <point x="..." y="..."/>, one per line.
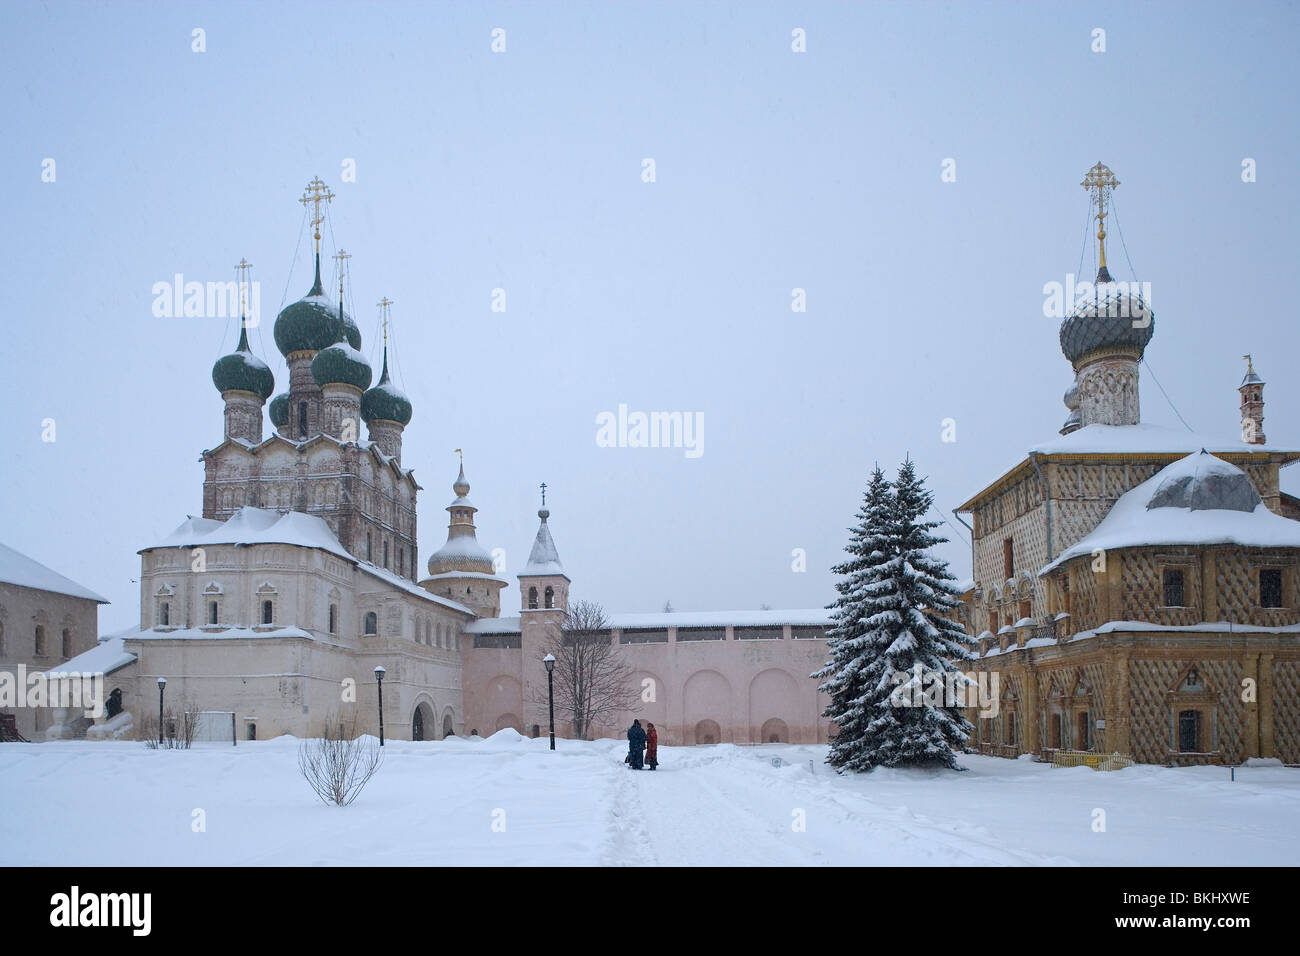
<point x="105" y="657"/>
<point x="17" y="568"/>
<point x="544" y="558"/>
<point x="210" y="633"/>
<point x="251" y="525"/>
<point x="1124" y="439"/>
<point x="1197" y="500"/>
<point x="406" y="585"/>
<point x="462" y="546"/>
<point x="806" y="617"/>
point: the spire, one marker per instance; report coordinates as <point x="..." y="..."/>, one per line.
<point x="544" y="559"/>
<point x="461" y="487"/>
<point x="243" y="267"/>
<point x="384" y="305"/>
<point x="342" y="257"/>
<point x="1100" y="181"/>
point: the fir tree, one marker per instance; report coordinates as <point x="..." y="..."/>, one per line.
<point x="893" y="655"/>
<point x="849" y="639"/>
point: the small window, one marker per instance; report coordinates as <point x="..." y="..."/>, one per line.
<point x="1084" y="740"/>
<point x="1173" y="581"/>
<point x="1011" y="728"/>
<point x="334" y="613"/>
<point x="1270" y="587"/>
<point x="401" y="561"/>
<point x="302" y="419"/>
<point x="385" y="552"/>
<point x="67" y="644"/>
<point x="550" y="597"/>
<point x="532" y="598"/>
<point x="1008" y="558"/>
<point x="268" y="610"/>
<point x="164" y="613"/>
<point x="212" y="612"/>
<point x="369" y="547"/>
<point x="40" y="640"/>
<point x="1189" y="731"/>
<point x="372" y="623"/>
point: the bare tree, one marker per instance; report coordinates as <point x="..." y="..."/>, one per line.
<point x="592" y="683"/>
<point x="337" y="766"/>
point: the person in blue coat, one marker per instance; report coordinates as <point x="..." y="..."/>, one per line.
<point x="635" y="745"/>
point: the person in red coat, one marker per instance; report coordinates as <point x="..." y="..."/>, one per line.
<point x="651" y="745"/>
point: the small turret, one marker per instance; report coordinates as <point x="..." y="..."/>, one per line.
<point x="1252" y="405"/>
<point x="245" y="383"/>
<point x="543" y="585"/>
<point x="385" y="408"/>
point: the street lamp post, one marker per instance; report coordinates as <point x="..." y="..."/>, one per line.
<point x="379" y="676"/>
<point x="162" y="683"/>
<point x="549" y="661"/>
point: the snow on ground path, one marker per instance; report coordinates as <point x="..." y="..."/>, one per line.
<point x="729" y="805"/>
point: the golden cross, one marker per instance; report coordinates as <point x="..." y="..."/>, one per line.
<point x="316" y="193"/>
<point x="341" y="256"/>
<point x="243" y="267"/>
<point x="462" y="457"/>
<point x="384" y="303"/>
<point x="1250" y="366"/>
<point x="1101" y="179"/>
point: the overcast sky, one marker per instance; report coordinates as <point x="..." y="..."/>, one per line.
<point x="523" y="170"/>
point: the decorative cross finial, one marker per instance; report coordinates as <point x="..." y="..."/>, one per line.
<point x="384" y="303"/>
<point x="1101" y="180"/>
<point x="243" y="267"/>
<point x="316" y="193"/>
<point x="342" y="257"/>
<point x="543" y="494"/>
<point x="1250" y="366"/>
<point x="462" y="457"/>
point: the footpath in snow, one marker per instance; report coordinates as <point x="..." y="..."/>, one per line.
<point x="508" y="800"/>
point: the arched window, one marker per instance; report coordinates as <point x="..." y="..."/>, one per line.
<point x="550" y="597"/>
<point x="268" y="611"/>
<point x="212" y="612"/>
<point x="302" y="419"/>
<point x="532" y="598"/>
<point x="67" y="644"/>
<point x="334" y="613"/>
<point x="372" y="624"/>
<point x="164" y="613"/>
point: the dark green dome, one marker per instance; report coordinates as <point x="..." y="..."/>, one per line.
<point x="312" y="323"/>
<point x="341" y="363"/>
<point x="279" y="409"/>
<point x="385" y="400"/>
<point x="243" y="370"/>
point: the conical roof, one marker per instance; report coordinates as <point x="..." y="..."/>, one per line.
<point x="544" y="558"/>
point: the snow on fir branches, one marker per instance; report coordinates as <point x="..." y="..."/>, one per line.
<point x="889" y="637"/>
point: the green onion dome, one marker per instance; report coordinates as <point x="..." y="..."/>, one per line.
<point x="243" y="370"/>
<point x="279" y="409"/>
<point x="312" y="323"/>
<point x="386" y="401"/>
<point x="340" y="363"/>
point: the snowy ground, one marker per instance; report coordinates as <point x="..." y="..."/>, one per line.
<point x="78" y="803"/>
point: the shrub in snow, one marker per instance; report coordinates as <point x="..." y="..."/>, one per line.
<point x="336" y="767"/>
<point x="889" y="637"/>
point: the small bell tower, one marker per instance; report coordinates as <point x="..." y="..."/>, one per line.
<point x="1252" y="405"/>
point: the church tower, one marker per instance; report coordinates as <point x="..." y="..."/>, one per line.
<point x="543" y="585"/>
<point x="342" y="374"/>
<point x="461" y="569"/>
<point x="244" y="381"/>
<point x="1105" y="335"/>
<point x="1252" y="405"/>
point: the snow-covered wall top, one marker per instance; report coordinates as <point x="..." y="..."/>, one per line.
<point x="807" y="617"/>
<point x="251" y="525"/>
<point x="17" y="568"/>
<point x="1121" y="439"/>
